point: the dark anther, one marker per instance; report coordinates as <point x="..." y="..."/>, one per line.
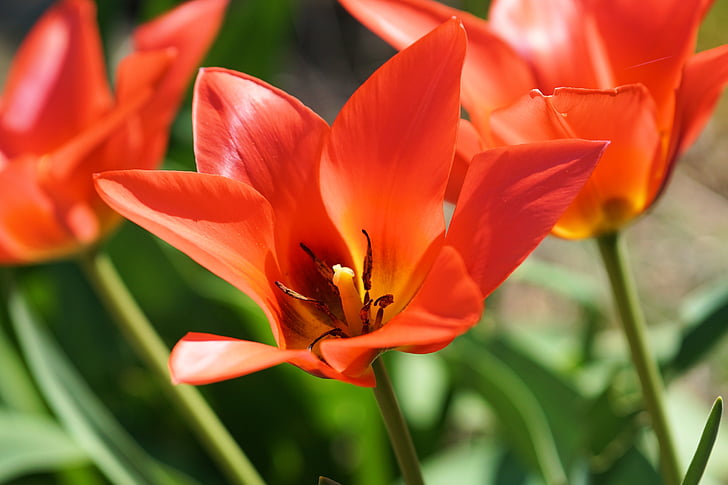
<point x="384" y="301"/>
<point x="334" y="332"/>
<point x="367" y="276"/>
<point x="324" y="269"/>
<point x="318" y="304"/>
<point x="379" y="318"/>
<point x="365" y="313"/>
<point x="294" y="294"/>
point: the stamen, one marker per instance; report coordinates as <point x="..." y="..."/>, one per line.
<point x="365" y="313"/>
<point x="317" y="303"/>
<point x="384" y="301"/>
<point x="334" y="332"/>
<point x="379" y="318"/>
<point x="350" y="299"/>
<point x="367" y="273"/>
<point x="321" y="266"/>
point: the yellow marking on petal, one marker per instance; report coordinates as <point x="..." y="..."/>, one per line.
<point x="350" y="299"/>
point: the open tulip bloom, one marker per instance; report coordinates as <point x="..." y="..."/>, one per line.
<point x="60" y="123"/>
<point x="338" y="231"/>
<point x="619" y="70"/>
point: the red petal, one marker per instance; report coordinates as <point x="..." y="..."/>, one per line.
<point x="484" y="86"/>
<point x="78" y="158"/>
<point x="250" y="131"/>
<point x="386" y="165"/>
<point x="468" y="145"/>
<point x="553" y="36"/>
<point x="57" y="83"/>
<point x="632" y="168"/>
<point x="201" y="358"/>
<point x="30" y="230"/>
<point x="648" y="42"/>
<point x="511" y="198"/>
<point x="140" y="143"/>
<point x="188" y="30"/>
<point x="224" y="225"/>
<point x="704" y="78"/>
<point x="447" y="305"/>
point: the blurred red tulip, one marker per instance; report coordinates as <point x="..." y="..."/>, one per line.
<point x="60" y="123"/>
<point x="664" y="92"/>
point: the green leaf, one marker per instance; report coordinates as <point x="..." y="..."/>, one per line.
<point x="561" y="404"/>
<point x="578" y="287"/>
<point x="706" y="325"/>
<point x="705" y="445"/>
<point x="468" y="462"/>
<point x="515" y="405"/>
<point x="33" y="444"/>
<point x="16" y="386"/>
<point x="633" y="468"/>
<point x="81" y="413"/>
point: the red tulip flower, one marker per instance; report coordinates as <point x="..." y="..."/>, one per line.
<point x="60" y="123"/>
<point x="338" y="231"/>
<point x="643" y="87"/>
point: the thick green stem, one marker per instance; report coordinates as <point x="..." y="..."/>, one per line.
<point x="399" y="434"/>
<point x="142" y="336"/>
<point x="633" y="323"/>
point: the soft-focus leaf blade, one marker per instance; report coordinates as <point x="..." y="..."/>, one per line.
<point x="518" y="410"/>
<point x="561" y="404"/>
<point x="578" y="287"/>
<point x="33" y="444"/>
<point x="633" y="468"/>
<point x="705" y="446"/>
<point x="706" y="326"/>
<point x="16" y="386"/>
<point x="85" y="418"/>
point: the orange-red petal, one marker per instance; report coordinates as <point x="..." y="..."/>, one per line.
<point x="704" y="78"/>
<point x="201" y="358"/>
<point x="468" y="145"/>
<point x="648" y="42"/>
<point x="224" y="225"/>
<point x="553" y="36"/>
<point x="632" y="168"/>
<point x="386" y="163"/>
<point x="484" y="86"/>
<point x="250" y="131"/>
<point x="511" y="198"/>
<point x="57" y="83"/>
<point x="188" y="31"/>
<point x="23" y="200"/>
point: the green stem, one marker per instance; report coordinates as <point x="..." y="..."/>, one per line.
<point x="633" y="323"/>
<point x="140" y="333"/>
<point x="399" y="434"/>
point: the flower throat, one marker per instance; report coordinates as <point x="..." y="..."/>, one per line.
<point x="357" y="309"/>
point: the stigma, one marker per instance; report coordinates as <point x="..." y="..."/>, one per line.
<point x="351" y="302"/>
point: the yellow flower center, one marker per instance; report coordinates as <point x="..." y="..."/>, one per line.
<point x="351" y="302"/>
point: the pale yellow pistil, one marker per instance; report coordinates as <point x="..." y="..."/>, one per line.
<point x="351" y="302"/>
